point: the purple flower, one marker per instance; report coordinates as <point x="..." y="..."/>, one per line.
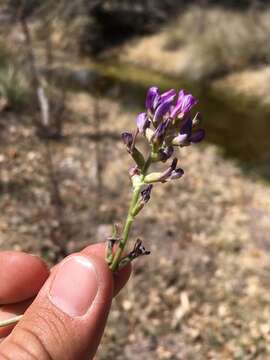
<point x="127" y="139"/>
<point x="184" y="104"/>
<point x="197" y="136"/>
<point x="152" y="98"/>
<point x="161" y="110"/>
<point x="186" y="136"/>
<point x="158" y="105"/>
<point x="168" y="95"/>
<point x="172" y="172"/>
<point x="176" y="174"/>
<point x="142" y="122"/>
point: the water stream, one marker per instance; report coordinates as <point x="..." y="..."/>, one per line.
<point x="239" y="125"/>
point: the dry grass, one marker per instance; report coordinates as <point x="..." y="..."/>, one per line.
<point x="206" y="42"/>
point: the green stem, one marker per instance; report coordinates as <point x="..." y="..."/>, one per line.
<point x="10" y="321"/>
<point x="130" y="218"/>
<point x="127" y="228"/>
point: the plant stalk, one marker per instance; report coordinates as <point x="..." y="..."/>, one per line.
<point x="128" y="224"/>
<point x="10" y="321"/>
<point x="130" y="217"/>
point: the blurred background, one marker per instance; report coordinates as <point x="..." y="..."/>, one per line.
<point x="73" y="75"/>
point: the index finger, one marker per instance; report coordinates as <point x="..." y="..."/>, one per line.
<point x="21" y="276"/>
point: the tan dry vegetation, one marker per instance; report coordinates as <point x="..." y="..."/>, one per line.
<point x="206" y="43"/>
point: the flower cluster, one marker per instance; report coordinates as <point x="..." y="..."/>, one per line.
<point x="166" y="123"/>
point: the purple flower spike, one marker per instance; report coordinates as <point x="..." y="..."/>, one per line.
<point x="152" y="97"/>
<point x="142" y="122"/>
<point x="184" y="104"/>
<point x="197" y="136"/>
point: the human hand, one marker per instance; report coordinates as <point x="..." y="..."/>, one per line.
<point x="67" y="317"/>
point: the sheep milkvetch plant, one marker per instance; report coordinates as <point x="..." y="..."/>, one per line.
<point x="166" y="124"/>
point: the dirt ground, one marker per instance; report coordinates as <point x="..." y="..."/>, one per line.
<point x="203" y="293"/>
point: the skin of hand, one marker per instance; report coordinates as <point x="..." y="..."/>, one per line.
<point x="65" y="309"/>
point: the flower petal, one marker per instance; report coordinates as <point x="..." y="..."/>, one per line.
<point x="151" y="97"/>
<point x="168" y="95"/>
<point x="197" y="136"/>
<point x="142" y="122"/>
<point x="184" y="104"/>
<point x="186" y="127"/>
<point x="161" y="110"/>
<point x="177" y="173"/>
<point x="127" y="139"/>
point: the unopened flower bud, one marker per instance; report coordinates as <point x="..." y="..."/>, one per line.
<point x="138" y="250"/>
<point x="197" y="136"/>
<point x="127" y="139"/>
<point x="176" y="174"/>
<point x="142" y="122"/>
<point x="146" y="193"/>
<point x="165" y="153"/>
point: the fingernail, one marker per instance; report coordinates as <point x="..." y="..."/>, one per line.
<point x="75" y="286"/>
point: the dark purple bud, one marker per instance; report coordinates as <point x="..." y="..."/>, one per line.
<point x="139" y="249"/>
<point x="174" y="164"/>
<point x="152" y="98"/>
<point x="146" y="193"/>
<point x="142" y="122"/>
<point x="165" y="153"/>
<point x="186" y="128"/>
<point x="184" y="104"/>
<point x="167" y="173"/>
<point x="176" y="174"/>
<point x="127" y="139"/>
<point x="197" y="136"/>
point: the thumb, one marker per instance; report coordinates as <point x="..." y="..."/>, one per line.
<point x="67" y="319"/>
